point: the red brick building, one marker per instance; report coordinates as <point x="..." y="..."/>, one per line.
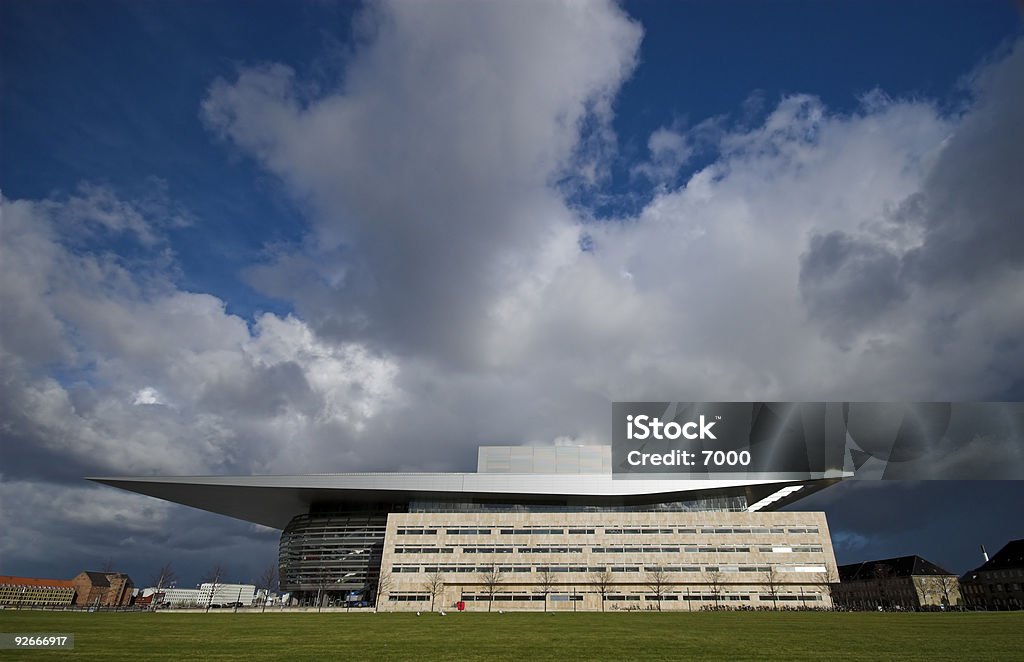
<point x="102" y="589"/>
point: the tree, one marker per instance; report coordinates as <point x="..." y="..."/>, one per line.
<point x="546" y="583"/>
<point x="825" y="581"/>
<point x="601" y="581"/>
<point x="435" y="584"/>
<point x="713" y="578"/>
<point x="947" y="588"/>
<point x="656" y="581"/>
<point x="883" y="576"/>
<point x="268" y="582"/>
<point x="491" y="579"/>
<point x="384" y="583"/>
<point x="771" y="581"/>
<point x="165" y="576"/>
<point x="215" y="577"/>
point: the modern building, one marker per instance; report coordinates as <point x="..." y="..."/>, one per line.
<point x="32" y="592"/>
<point x="908" y="583"/>
<point x="998" y="583"/>
<point x="177" y="597"/>
<point x="102" y="589"/>
<point x="207" y="594"/>
<point x="533" y="528"/>
<point x="227" y="594"/>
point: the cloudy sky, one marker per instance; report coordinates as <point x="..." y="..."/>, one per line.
<point x="244" y="238"/>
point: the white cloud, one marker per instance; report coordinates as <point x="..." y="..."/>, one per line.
<point x="122" y="341"/>
<point x="430" y="171"/>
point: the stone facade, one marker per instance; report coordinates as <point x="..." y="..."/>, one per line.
<point x="637" y="560"/>
<point x="906" y="583"/>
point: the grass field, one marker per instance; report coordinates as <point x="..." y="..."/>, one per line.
<point x="526" y="636"/>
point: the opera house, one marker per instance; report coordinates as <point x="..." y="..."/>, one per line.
<point x="533" y="528"/>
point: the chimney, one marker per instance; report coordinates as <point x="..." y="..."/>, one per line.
<point x="984" y="554"/>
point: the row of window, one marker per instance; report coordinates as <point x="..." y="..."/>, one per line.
<point x="464" y="569"/>
<point x="484" y="531"/>
<point x="509" y="549"/>
<point x="614" y="597"/>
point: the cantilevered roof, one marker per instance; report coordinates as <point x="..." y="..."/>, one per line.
<point x="274" y="500"/>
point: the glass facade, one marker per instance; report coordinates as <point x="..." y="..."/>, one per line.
<point x="727" y="503"/>
<point x="331" y="556"/>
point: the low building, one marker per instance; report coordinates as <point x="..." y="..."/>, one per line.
<point x="102" y="589"/>
<point x="32" y="592"/>
<point x="999" y="582"/>
<point x="179" y="597"/>
<point x="905" y="583"/>
<point x="227" y="594"/>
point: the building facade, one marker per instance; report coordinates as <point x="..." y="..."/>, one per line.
<point x="32" y="592"/>
<point x="595" y="561"/>
<point x="906" y="583"/>
<point x="102" y="589"/>
<point x="998" y="584"/>
<point x="534" y="528"/>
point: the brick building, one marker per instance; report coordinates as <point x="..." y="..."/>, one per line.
<point x="102" y="589"/>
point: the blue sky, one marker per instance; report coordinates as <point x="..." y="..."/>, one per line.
<point x="109" y="92"/>
<point x="267" y="236"/>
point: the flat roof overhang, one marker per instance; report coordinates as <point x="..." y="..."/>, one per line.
<point x="274" y="500"/>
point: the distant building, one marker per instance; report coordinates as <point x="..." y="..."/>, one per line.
<point x="177" y="597"/>
<point x="906" y="582"/>
<point x="226" y="594"/>
<point x="31" y="592"/>
<point x="999" y="582"/>
<point x="148" y="600"/>
<point x="102" y="589"/>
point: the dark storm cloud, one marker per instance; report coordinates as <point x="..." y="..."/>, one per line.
<point x="945" y="521"/>
<point x="847" y="283"/>
<point x="973" y="201"/>
<point x="969" y="213"/>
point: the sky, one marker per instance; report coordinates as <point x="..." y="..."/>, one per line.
<point x="267" y="237"/>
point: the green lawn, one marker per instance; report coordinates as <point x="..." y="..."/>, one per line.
<point x="526" y="636"/>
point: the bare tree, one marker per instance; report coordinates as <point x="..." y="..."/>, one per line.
<point x="384" y="583"/>
<point x="545" y="583"/>
<point x="435" y="584"/>
<point x="713" y="578"/>
<point x="825" y="581"/>
<point x="165" y="576"/>
<point x="215" y="577"/>
<point x="947" y="589"/>
<point x="771" y="582"/>
<point x="656" y="581"/>
<point x="491" y="579"/>
<point x="602" y="581"/>
<point x="268" y="582"/>
<point x="883" y="576"/>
